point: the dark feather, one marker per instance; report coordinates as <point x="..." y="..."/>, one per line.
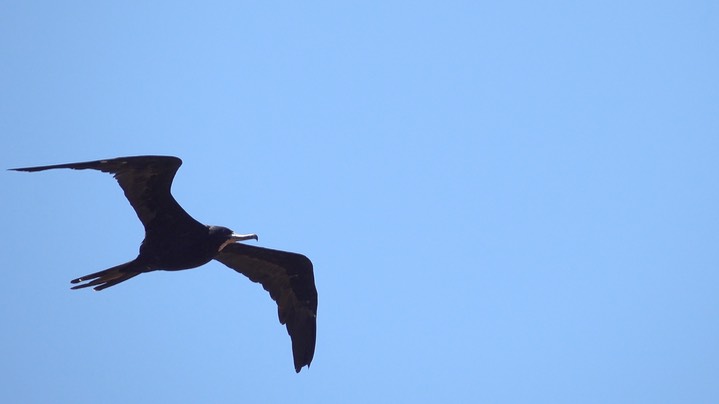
<point x="290" y="280"/>
<point x="146" y="182"/>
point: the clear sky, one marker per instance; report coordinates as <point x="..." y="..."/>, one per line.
<point x="505" y="202"/>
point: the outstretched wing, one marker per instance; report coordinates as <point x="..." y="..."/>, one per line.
<point x="146" y="181"/>
<point x="291" y="283"/>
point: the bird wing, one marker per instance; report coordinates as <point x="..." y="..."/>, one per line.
<point x="290" y="280"/>
<point x="146" y="181"/>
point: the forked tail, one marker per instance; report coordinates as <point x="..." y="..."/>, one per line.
<point x="109" y="277"/>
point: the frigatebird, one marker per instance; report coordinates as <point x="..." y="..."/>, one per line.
<point x="175" y="241"/>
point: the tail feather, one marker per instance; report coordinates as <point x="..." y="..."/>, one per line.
<point x="109" y="277"/>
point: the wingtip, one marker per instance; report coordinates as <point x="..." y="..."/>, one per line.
<point x="299" y="367"/>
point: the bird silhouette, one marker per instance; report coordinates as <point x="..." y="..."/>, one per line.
<point x="175" y="241"/>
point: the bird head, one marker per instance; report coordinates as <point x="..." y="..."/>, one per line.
<point x="226" y="236"/>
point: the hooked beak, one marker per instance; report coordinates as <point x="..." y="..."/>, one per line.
<point x="237" y="237"/>
<point x="243" y="237"/>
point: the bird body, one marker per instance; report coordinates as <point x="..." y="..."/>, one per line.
<point x="176" y="241"/>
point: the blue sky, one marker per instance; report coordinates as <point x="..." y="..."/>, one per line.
<point x="508" y="202"/>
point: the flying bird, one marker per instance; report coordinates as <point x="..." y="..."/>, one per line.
<point x="175" y="241"/>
